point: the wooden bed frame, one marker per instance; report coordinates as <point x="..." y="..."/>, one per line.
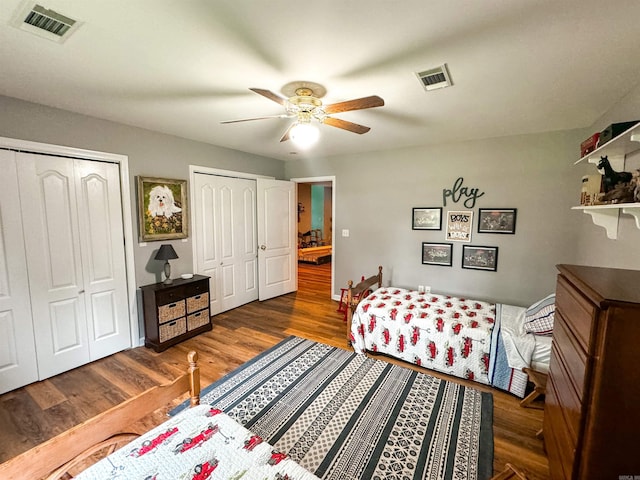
<point x="355" y="294"/>
<point x="55" y="457"/>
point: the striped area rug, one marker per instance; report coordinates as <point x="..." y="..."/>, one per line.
<point x="346" y="416"/>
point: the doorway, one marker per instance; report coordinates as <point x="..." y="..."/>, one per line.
<point x="316" y="220"/>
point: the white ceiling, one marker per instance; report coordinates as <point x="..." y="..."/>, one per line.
<point x="181" y="67"/>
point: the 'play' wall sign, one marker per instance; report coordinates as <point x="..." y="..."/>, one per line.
<point x="470" y="194"/>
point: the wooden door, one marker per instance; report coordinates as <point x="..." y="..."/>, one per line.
<point x="18" y="364"/>
<point x="225" y="239"/>
<point x="277" y="238"/>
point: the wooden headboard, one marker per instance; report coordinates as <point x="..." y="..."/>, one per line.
<point x="355" y="294"/>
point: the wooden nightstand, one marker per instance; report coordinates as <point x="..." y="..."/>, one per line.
<point x="175" y="312"/>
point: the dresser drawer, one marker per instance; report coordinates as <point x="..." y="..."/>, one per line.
<point x="560" y="448"/>
<point x="169" y="330"/>
<point x="198" y="319"/>
<point x="169" y="295"/>
<point x="573" y="357"/>
<point x="196" y="288"/>
<point x="197" y="302"/>
<point x="565" y="393"/>
<point x="577" y="311"/>
<point x="171" y="311"/>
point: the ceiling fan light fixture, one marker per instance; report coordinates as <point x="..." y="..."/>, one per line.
<point x="303" y="103"/>
<point x="304" y="135"/>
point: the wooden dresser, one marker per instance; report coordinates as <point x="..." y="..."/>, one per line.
<point x="592" y="405"/>
<point x="175" y="312"/>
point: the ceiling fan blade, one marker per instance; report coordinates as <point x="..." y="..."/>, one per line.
<point x="270" y="95"/>
<point x="358" y="104"/>
<point x="345" y="125"/>
<point x="256" y="118"/>
<point x="286" y="136"/>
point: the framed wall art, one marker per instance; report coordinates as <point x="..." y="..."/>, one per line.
<point x="480" y="258"/>
<point x="497" y="220"/>
<point x="459" y="226"/>
<point x="427" y="218"/>
<point x="437" y="254"/>
<point x="162" y="209"/>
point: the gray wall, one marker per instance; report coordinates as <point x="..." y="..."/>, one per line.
<point x="375" y="193"/>
<point x="150" y="154"/>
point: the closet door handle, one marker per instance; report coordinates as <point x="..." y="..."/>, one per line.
<point x="263" y="247"/>
<point x="80" y="292"/>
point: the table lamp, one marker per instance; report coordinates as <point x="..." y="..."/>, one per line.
<point x="166" y="253"/>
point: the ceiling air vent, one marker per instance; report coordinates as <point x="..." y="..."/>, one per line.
<point x="44" y="22"/>
<point x="435" y="78"/>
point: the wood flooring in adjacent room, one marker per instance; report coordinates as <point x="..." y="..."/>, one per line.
<point x="32" y="414"/>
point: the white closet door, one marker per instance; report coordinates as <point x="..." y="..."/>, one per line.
<point x="72" y="250"/>
<point x="103" y="263"/>
<point x="18" y="364"/>
<point x="47" y="194"/>
<point x="225" y="228"/>
<point x="205" y="213"/>
<point x="239" y="242"/>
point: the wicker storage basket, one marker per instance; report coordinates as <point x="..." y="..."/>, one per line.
<point x="172" y="329"/>
<point x="171" y="311"/>
<point x="197" y="302"/>
<point x="198" y="319"/>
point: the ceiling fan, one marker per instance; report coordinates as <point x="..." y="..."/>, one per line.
<point x="302" y="102"/>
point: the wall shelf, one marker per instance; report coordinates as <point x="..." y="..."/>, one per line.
<point x="615" y="150"/>
<point x="606" y="216"/>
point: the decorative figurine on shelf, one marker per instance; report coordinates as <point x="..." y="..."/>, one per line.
<point x="621" y="193"/>
<point x="635" y="181"/>
<point x="611" y="178"/>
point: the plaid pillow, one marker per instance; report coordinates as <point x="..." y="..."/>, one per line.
<point x="539" y="316"/>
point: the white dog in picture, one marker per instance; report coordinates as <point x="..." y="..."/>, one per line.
<point x="161" y="202"/>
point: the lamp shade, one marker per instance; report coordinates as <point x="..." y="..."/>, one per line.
<point x="166" y="252"/>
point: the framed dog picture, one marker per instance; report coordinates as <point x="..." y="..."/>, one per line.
<point x="162" y="209"/>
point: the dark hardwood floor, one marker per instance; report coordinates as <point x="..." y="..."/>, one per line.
<point x="35" y="413"/>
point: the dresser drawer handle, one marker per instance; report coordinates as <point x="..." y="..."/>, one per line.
<point x="197" y="314"/>
<point x="173" y="305"/>
<point x="197" y="297"/>
<point x="172" y="324"/>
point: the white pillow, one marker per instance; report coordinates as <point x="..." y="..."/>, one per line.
<point x="539" y="317"/>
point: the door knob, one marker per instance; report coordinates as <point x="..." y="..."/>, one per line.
<point x="263" y="247"/>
